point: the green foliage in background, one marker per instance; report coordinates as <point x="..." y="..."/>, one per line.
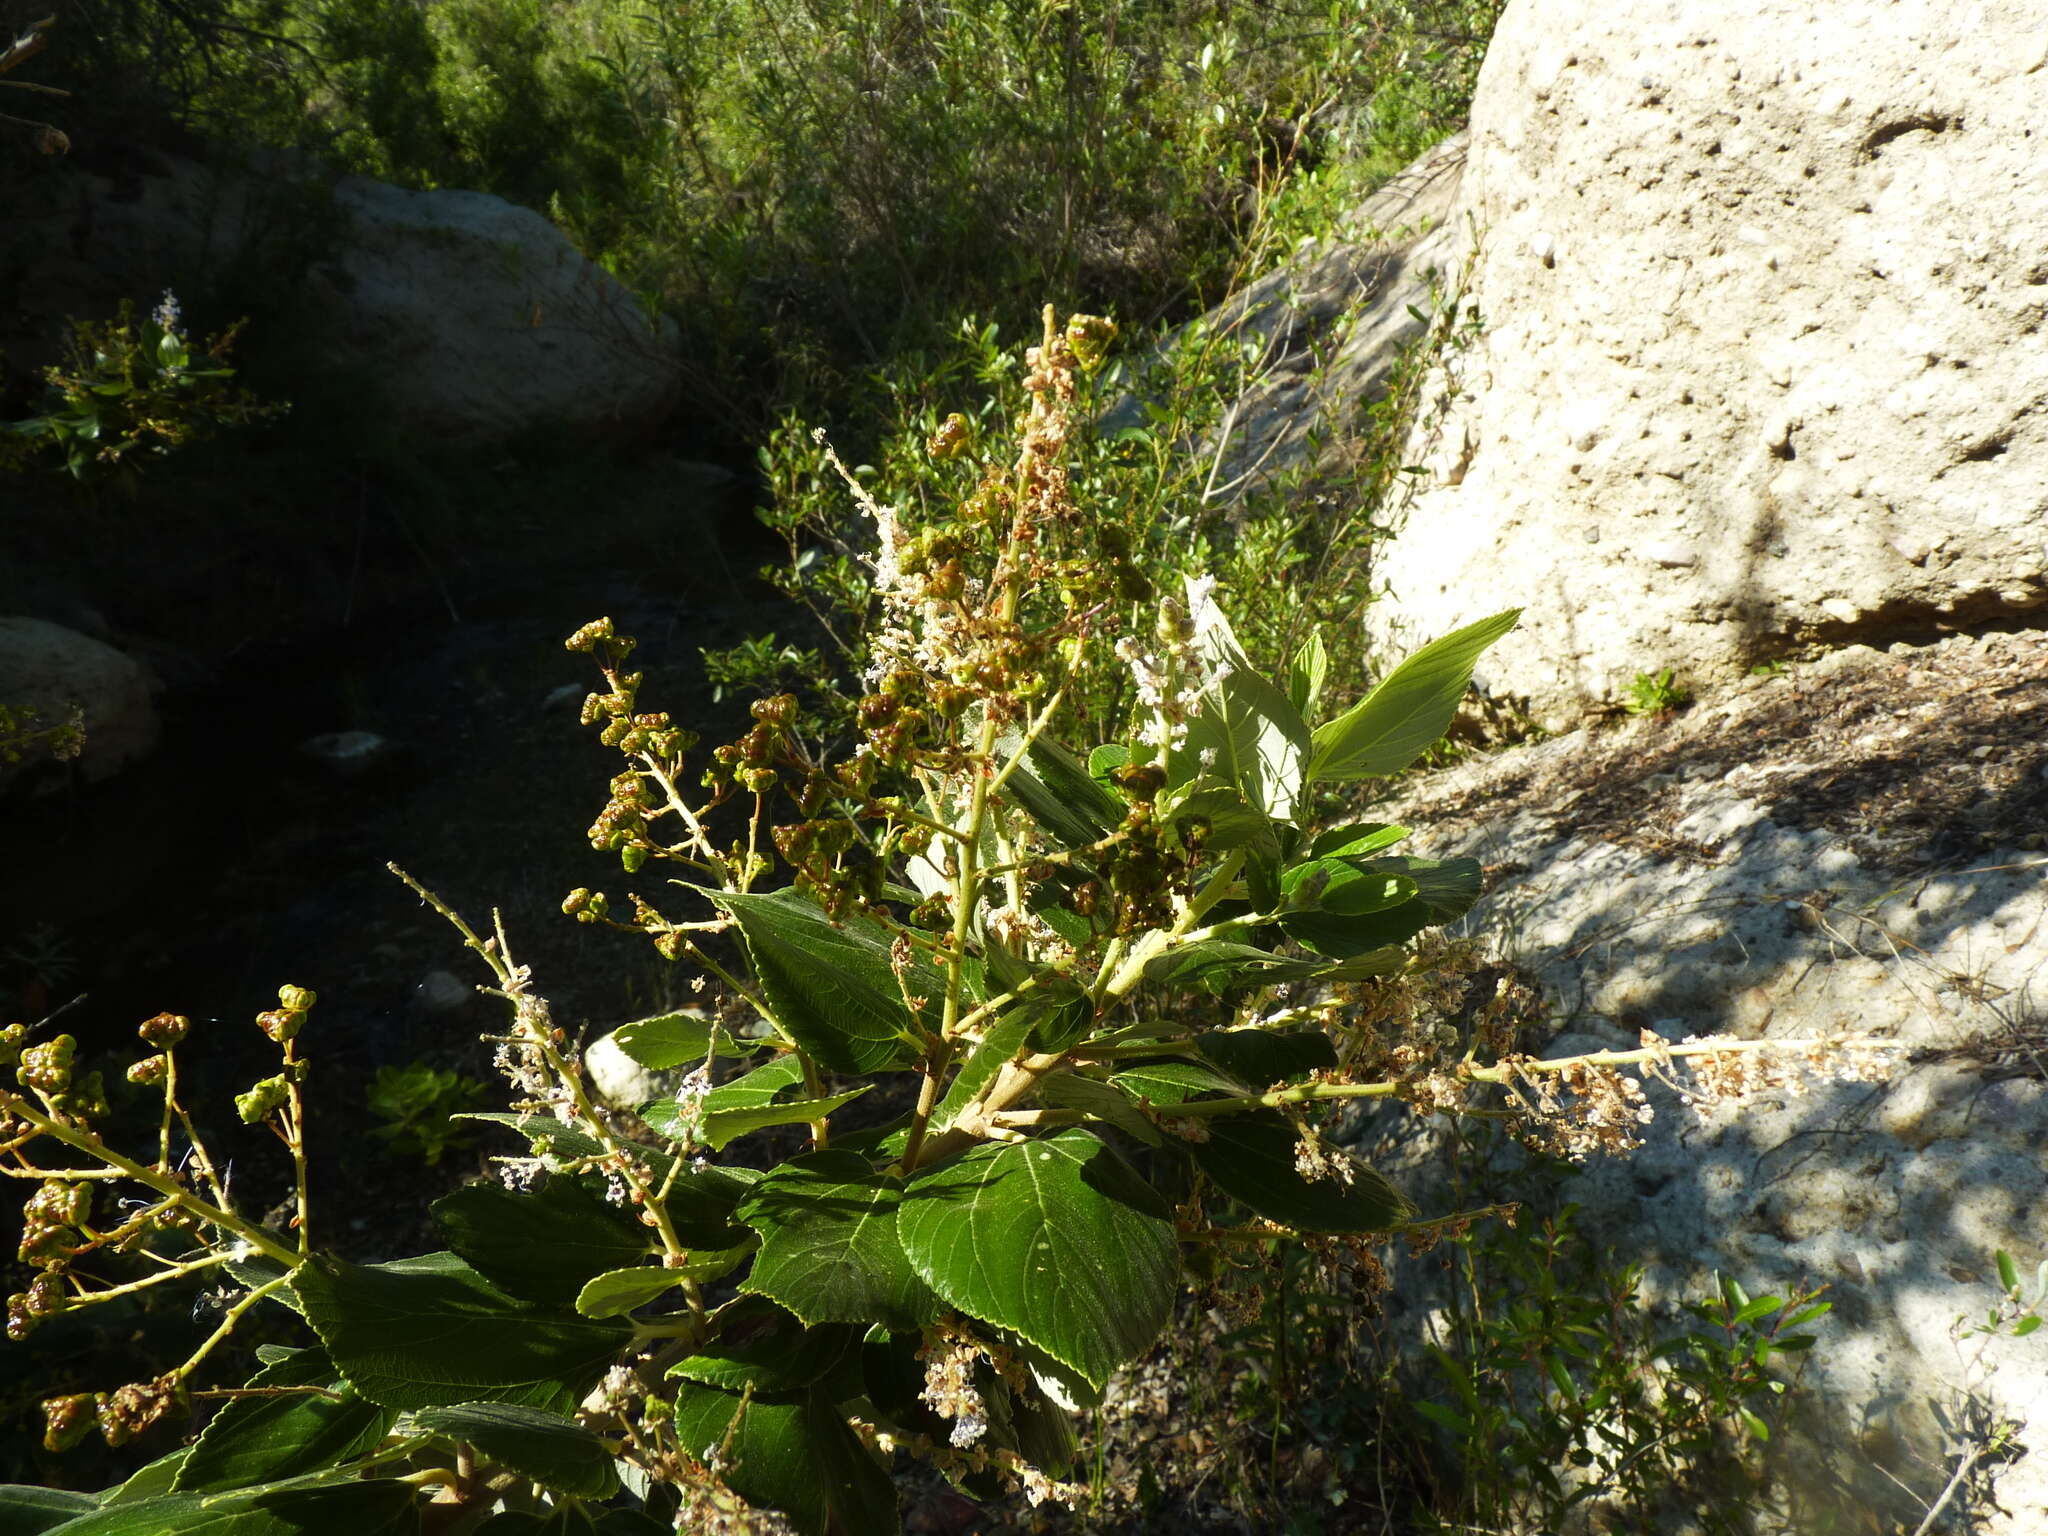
<point x="129" y="387"/>
<point x="817" y="188"/>
<point x="418" y="1105"/>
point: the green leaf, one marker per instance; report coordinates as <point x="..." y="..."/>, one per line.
<point x="1345" y="886"/>
<point x="618" y="1291"/>
<point x="1264" y="1057"/>
<point x="1448" y="888"/>
<point x="669" y="1040"/>
<point x="1104" y="761"/>
<point x="830" y="1245"/>
<point x="155" y="1479"/>
<point x="1169" y="1082"/>
<point x="541" y="1245"/>
<point x="1749" y="1312"/>
<point x="1251" y="1159"/>
<point x="1247" y="733"/>
<point x="1054" y="1239"/>
<point x="1058" y="791"/>
<point x="1409" y="711"/>
<point x="1360" y="839"/>
<point x="760" y="1345"/>
<point x="1306" y="675"/>
<point x="1343" y="936"/>
<point x="729" y="1125"/>
<point x="1063" y="1014"/>
<point x="383" y="1508"/>
<point x="2025" y="1325"/>
<point x="798" y="1456"/>
<point x="426" y="1332"/>
<point x="554" y="1451"/>
<point x="831" y="987"/>
<point x="2008" y="1271"/>
<point x="1219" y="966"/>
<point x="256" y="1440"/>
<point x="1100" y="1101"/>
<point x="26" y="1511"/>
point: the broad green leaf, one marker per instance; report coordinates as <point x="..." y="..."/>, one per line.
<point x="256" y="1440"/>
<point x="1348" y="887"/>
<point x="1306" y="675"/>
<point x="1104" y="761"/>
<point x="760" y="1345"/>
<point x="384" y="1508"/>
<point x="1167" y="1082"/>
<point x="1054" y="1239"/>
<point x="1220" y="966"/>
<point x="831" y="986"/>
<point x="155" y="1479"/>
<point x="830" y="1245"/>
<point x="1251" y="1159"/>
<point x="1409" y="711"/>
<point x="1063" y="1014"/>
<point x="795" y="1455"/>
<point x="1447" y="887"/>
<point x="426" y="1332"/>
<point x="1343" y="936"/>
<point x="1232" y="822"/>
<point x="26" y="1511"/>
<point x="1264" y="1057"/>
<point x="1361" y="840"/>
<point x="722" y="1126"/>
<point x="772" y="1080"/>
<point x="1247" y="734"/>
<point x="618" y="1291"/>
<point x="554" y="1451"/>
<point x="1098" y="1100"/>
<point x="679" y="1039"/>
<point x="1058" y="792"/>
<point x="540" y="1245"/>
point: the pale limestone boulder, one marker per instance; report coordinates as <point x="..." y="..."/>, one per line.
<point x="1854" y="847"/>
<point x="1764" y="286"/>
<point x="51" y="671"/>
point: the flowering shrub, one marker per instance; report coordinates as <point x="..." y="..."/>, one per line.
<point x="130" y="386"/>
<point x="1025" y="1035"/>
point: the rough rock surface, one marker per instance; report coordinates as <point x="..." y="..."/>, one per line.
<point x="1763" y="285"/>
<point x="1853" y="846"/>
<point x="478" y="318"/>
<point x="48" y="670"/>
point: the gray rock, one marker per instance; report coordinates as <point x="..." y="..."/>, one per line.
<point x="50" y="671"/>
<point x="479" y="319"/>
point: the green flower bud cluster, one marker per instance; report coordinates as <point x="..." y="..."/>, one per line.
<point x="50" y="1235"/>
<point x="48" y="1068"/>
<point x="598" y="635"/>
<point x="586" y="906"/>
<point x="68" y="1420"/>
<point x="127" y="1411"/>
<point x="165" y="1030"/>
<point x="266" y="1098"/>
<point x="12" y="1038"/>
<point x="284" y="1022"/>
